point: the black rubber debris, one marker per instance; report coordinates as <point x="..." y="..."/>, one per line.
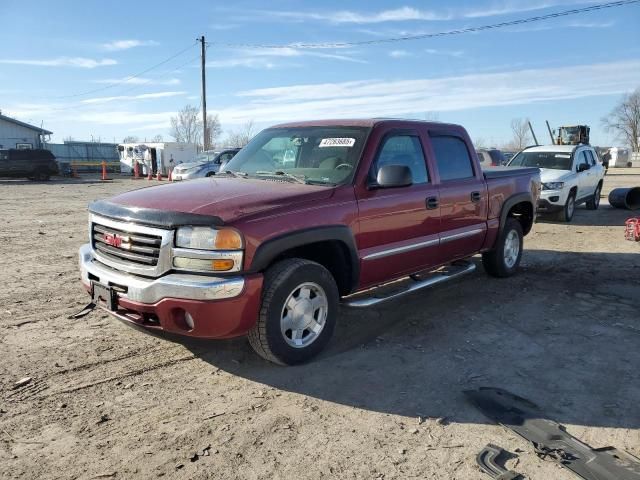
<point x="551" y="440"/>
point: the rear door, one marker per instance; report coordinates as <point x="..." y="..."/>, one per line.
<point x="398" y="227"/>
<point x="585" y="177"/>
<point x="462" y="192"/>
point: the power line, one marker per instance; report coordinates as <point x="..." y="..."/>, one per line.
<point x="510" y="23"/>
<point x="131" y="77"/>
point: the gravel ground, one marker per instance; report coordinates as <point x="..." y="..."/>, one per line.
<point x="385" y="401"/>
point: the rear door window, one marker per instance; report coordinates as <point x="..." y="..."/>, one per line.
<point x="452" y="157"/>
<point x="582" y="160"/>
<point x="592" y="159"/>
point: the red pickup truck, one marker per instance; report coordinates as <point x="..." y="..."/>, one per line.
<point x="306" y="217"/>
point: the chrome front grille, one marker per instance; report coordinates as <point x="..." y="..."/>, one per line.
<point x="130" y="247"/>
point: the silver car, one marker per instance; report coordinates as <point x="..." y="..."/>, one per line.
<point x="204" y="165"/>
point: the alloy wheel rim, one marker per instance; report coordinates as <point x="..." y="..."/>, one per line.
<point x="304" y="315"/>
<point x="511" y="249"/>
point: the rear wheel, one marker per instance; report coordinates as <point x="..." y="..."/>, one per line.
<point x="594" y="203"/>
<point x="298" y="313"/>
<point x="504" y="259"/>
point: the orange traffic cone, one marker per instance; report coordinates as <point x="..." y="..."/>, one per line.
<point x="136" y="171"/>
<point x="104" y="171"/>
<point x="159" y="177"/>
<point x="150" y="176"/>
<point x="170" y="178"/>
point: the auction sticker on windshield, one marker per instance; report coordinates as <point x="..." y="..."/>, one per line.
<point x="337" y="142"/>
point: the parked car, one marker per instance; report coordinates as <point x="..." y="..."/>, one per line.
<point x="491" y="157"/>
<point x="571" y="175"/>
<point x="308" y="215"/>
<point x="204" y="165"/>
<point x="32" y="164"/>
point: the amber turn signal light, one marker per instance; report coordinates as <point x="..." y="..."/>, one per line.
<point x="222" y="265"/>
<point x="227" y="239"/>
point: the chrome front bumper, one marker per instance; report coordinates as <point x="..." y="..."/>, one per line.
<point x="148" y="290"/>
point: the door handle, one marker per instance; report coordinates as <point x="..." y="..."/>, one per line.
<point x="432" y="203"/>
<point x="475" y="196"/>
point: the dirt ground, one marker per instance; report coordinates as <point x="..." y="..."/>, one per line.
<point x="385" y="401"/>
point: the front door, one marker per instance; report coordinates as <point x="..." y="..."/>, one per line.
<point x="463" y="196"/>
<point x="398" y="227"/>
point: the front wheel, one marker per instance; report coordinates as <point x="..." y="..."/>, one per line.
<point x="504" y="259"/>
<point x="566" y="214"/>
<point x="298" y="312"/>
<point x="594" y="203"/>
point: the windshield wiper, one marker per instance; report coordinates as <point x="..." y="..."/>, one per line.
<point x="234" y="174"/>
<point x="280" y="173"/>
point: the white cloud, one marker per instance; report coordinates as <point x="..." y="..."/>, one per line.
<point x="139" y="81"/>
<point x="374" y="98"/>
<point x="348" y="16"/>
<point x="263" y="58"/>
<point x="144" y="96"/>
<point x="79" y="62"/>
<point x="399" y="53"/>
<point x="448" y="53"/>
<point x="409" y="13"/>
<point x="118" y="45"/>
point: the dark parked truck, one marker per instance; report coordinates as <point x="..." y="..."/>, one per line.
<point x="307" y="216"/>
<point x="32" y="164"/>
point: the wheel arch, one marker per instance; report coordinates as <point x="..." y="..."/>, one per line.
<point x="518" y="206"/>
<point x="331" y="246"/>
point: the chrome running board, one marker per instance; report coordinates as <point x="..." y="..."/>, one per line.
<point x="404" y="286"/>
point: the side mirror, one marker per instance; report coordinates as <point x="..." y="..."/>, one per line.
<point x="582" y="167"/>
<point x="394" y="176"/>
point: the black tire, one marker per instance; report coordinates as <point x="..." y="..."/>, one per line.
<point x="566" y="214"/>
<point x="495" y="262"/>
<point x="594" y="203"/>
<point x="280" y="281"/>
<point x="210" y="174"/>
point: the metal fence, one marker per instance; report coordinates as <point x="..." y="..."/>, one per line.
<point x="85" y="156"/>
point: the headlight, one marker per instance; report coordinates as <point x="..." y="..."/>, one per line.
<point x="553" y="186"/>
<point x="206" y="238"/>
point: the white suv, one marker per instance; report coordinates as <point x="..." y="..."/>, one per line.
<point x="570" y="174"/>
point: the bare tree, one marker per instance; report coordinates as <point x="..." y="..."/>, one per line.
<point x="239" y="138"/>
<point x="157" y="139"/>
<point x="521" y="133"/>
<point x="187" y="127"/>
<point x="480" y="142"/>
<point x="624" y="120"/>
<point x="130" y="139"/>
<point x="214" y="129"/>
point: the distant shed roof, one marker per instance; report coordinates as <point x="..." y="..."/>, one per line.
<point x="26" y="125"/>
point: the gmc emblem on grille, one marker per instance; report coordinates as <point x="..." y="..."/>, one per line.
<point x="112" y="239"/>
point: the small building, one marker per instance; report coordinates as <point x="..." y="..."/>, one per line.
<point x="17" y="134"/>
<point x="154" y="157"/>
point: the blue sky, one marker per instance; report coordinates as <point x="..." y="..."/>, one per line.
<point x="65" y="65"/>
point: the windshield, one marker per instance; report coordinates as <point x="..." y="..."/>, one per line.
<point x="553" y="160"/>
<point x="314" y="155"/>
<point x="570" y="135"/>
<point x="205" y="157"/>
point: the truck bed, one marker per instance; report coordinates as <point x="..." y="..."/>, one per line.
<point x="501" y="172"/>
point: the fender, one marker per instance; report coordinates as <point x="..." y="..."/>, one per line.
<point x="514" y="200"/>
<point x="271" y="249"/>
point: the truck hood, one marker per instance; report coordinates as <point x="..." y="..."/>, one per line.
<point x="225" y="198"/>
<point x="553" y="175"/>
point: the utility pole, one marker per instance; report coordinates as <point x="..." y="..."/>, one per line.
<point x="205" y="137"/>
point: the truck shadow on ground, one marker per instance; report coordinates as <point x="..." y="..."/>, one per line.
<point x="549" y="334"/>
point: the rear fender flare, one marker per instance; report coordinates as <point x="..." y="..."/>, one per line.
<point x="509" y="204"/>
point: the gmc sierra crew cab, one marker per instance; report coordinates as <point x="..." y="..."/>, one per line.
<point x="306" y="217"/>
